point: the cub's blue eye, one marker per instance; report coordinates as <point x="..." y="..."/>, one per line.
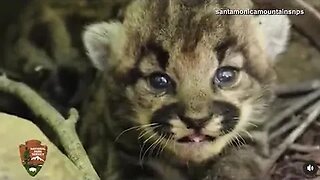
<point x="159" y="81"/>
<point x="226" y="76"/>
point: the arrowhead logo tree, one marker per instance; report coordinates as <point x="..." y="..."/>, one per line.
<point x="33" y="155"/>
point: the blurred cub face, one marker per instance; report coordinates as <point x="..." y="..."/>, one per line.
<point x="193" y="81"/>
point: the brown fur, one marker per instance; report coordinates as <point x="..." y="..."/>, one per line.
<point x="188" y="42"/>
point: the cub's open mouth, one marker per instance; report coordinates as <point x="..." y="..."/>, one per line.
<point x="196" y="138"/>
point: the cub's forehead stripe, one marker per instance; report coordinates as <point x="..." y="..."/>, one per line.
<point x="162" y="56"/>
<point x="153" y="56"/>
<point x="132" y="76"/>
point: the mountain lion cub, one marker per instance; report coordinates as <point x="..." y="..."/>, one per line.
<point x="183" y="84"/>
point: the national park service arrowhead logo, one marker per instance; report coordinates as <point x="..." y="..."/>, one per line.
<point x="33" y="155"/>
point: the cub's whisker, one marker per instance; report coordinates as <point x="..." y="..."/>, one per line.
<point x="159" y="146"/>
<point x="141" y="149"/>
<point x="145" y="132"/>
<point x="134" y="128"/>
<point x="163" y="147"/>
<point x="153" y="144"/>
<point x="252" y="124"/>
<point x="248" y="133"/>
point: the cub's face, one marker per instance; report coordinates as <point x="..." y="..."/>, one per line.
<point x="193" y="81"/>
<point x="196" y="100"/>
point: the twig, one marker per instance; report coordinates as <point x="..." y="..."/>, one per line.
<point x="10" y="73"/>
<point x="283" y="129"/>
<point x="305" y="157"/>
<point x="304" y="148"/>
<point x="65" y="128"/>
<point x="292" y="109"/>
<point x="297" y="88"/>
<point x="313" y="112"/>
<point x="317" y="124"/>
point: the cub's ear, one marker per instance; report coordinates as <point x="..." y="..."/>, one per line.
<point x="276" y="31"/>
<point x="103" y="42"/>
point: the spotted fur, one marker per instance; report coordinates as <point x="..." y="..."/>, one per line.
<point x="188" y="43"/>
